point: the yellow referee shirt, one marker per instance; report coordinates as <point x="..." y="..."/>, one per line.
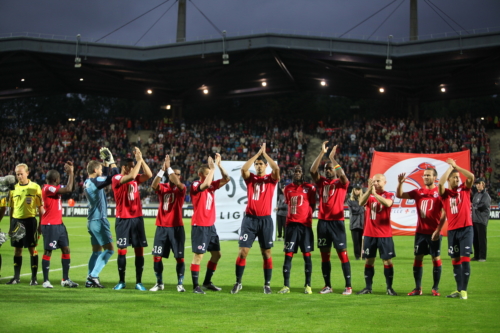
<point x="25" y="199"/>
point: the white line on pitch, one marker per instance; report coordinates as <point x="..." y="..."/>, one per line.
<point x="60" y="269"/>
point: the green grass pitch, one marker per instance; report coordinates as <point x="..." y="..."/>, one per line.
<point x="24" y="308"/>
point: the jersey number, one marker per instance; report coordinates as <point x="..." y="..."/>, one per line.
<point x="121" y="241"/>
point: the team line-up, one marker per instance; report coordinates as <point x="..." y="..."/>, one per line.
<point x="371" y="234"/>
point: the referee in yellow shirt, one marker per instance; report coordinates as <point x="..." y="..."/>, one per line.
<point x="24" y="201"/>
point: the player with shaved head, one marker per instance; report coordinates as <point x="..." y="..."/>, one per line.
<point x="430" y="221"/>
<point x="378" y="232"/>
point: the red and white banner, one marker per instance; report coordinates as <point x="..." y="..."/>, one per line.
<point x="404" y="211"/>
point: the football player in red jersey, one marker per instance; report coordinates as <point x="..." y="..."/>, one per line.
<point x="301" y="199"/>
<point x="332" y="190"/>
<point x="129" y="224"/>
<point x="378" y="232"/>
<point x="169" y="233"/>
<point x="257" y="221"/>
<point x="456" y="203"/>
<point x="430" y="221"/>
<point x="54" y="231"/>
<point x="203" y="233"/>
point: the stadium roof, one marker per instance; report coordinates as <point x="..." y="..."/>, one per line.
<point x="466" y="66"/>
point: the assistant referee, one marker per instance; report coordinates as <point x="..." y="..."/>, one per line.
<point x="24" y="201"/>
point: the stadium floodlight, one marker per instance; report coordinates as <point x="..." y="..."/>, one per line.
<point x="81" y="79"/>
<point x="264" y="83"/>
<point x="22" y="80"/>
<point x="149" y="91"/>
<point x="205" y="91"/>
<point x="443" y="89"/>
<point x="381" y="89"/>
<point x="323" y="83"/>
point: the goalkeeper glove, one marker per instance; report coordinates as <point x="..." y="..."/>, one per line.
<point x="106" y="155"/>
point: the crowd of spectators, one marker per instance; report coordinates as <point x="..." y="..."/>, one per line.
<point x="189" y="143"/>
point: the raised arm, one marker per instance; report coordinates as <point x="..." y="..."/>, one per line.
<point x="245" y="169"/>
<point x="443" y="180"/>
<point x="274" y="167"/>
<point x="159" y="175"/>
<point x="147" y="172"/>
<point x="399" y="192"/>
<point x="314" y="167"/>
<point x="338" y="169"/>
<point x="210" y="177"/>
<point x="225" y="176"/>
<point x="469" y="175"/>
<point x="364" y="198"/>
<point x="135" y="170"/>
<point x="69" y="168"/>
<point x="383" y="201"/>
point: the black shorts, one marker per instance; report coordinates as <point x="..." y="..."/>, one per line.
<point x="384" y="244"/>
<point x="331" y="232"/>
<point x="204" y="239"/>
<point x="424" y="245"/>
<point x="169" y="238"/>
<point x="256" y="226"/>
<point x="54" y="237"/>
<point x="460" y="242"/>
<point x="31" y="237"/>
<point x="130" y="232"/>
<point x="298" y="235"/>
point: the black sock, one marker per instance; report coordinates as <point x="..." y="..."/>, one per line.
<point x="457" y="271"/>
<point x="65" y="268"/>
<point x="18" y="263"/>
<point x="436" y="275"/>
<point x="139" y="267"/>
<point x="158" y="268"/>
<point x="389" y="275"/>
<point x="369" y="273"/>
<point x="45" y="269"/>
<point x="346" y="269"/>
<point x="287" y="267"/>
<point x="417" y="275"/>
<point x="465" y="274"/>
<point x="179" y="268"/>
<point x="34" y="266"/>
<point x="122" y="265"/>
<point x="210" y="272"/>
<point x="326" y="269"/>
<point x="308" y="269"/>
<point x="195" y="274"/>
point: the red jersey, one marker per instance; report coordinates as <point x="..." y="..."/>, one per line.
<point x="170" y="210"/>
<point x="331" y="198"/>
<point x="204" y="204"/>
<point x="260" y="192"/>
<point x="300" y="198"/>
<point x="456" y="203"/>
<point x="128" y="201"/>
<point x="429" y="206"/>
<point x="52" y="205"/>
<point x="378" y="217"/>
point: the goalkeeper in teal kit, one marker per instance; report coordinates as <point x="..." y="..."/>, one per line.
<point x="98" y="225"/>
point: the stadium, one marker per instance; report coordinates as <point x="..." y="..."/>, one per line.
<point x="408" y="95"/>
